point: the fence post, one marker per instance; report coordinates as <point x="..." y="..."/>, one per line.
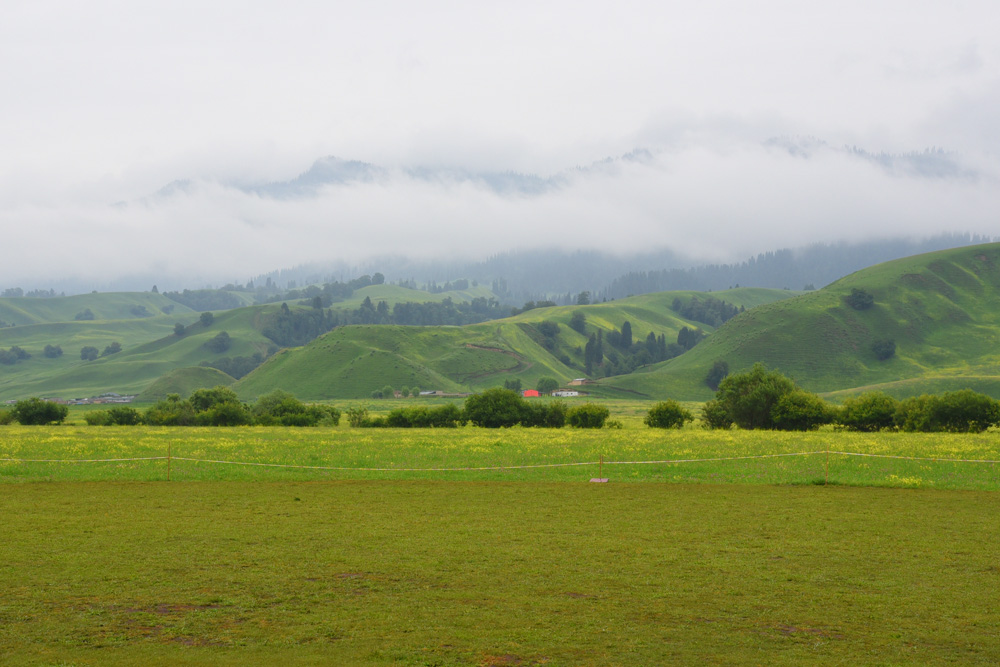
<point x="826" y="481"/>
<point x="168" y="461"/>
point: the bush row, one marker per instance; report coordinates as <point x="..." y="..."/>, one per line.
<point x="765" y="399"/>
<point x="220" y="407"/>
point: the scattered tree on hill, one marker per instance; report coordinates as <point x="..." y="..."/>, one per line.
<point x="13" y="355"/>
<point x="718" y="371"/>
<point x="583" y="298"/>
<point x="84" y="314"/>
<point x="859" y="299"/>
<point x="578" y="322"/>
<point x="89" y="353"/>
<point x="667" y="414"/>
<point x="707" y="310"/>
<point x="547" y="385"/>
<point x="884" y="349"/>
<point x="514" y="384"/>
<point x="178" y="329"/>
<point x="36" y="412"/>
<point x="388" y="391"/>
<point x="114" y="348"/>
<point x="52" y="351"/>
<point x="206" y="319"/>
<point x="688" y="338"/>
<point x="219" y="343"/>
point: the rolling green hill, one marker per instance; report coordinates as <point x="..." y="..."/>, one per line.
<point x="150" y="350"/>
<point x="942" y="310"/>
<point x="351" y="362"/>
<point x="102" y="306"/>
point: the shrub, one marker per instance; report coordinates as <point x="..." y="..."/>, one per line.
<point x="547" y="415"/>
<point x="36" y="412"/>
<point x="495" y="408"/>
<point x="715" y="416"/>
<point x="966" y="411"/>
<point x="122" y="415"/>
<point x="224" y="414"/>
<point x="859" y="299"/>
<point x="442" y="416"/>
<point x="667" y="414"/>
<point x="871" y="411"/>
<point x="357" y="416"/>
<point x="97" y="418"/>
<point x="587" y="415"/>
<point x="6" y="417"/>
<point x="801" y="411"/>
<point x="749" y="398"/>
<point x="171" y="411"/>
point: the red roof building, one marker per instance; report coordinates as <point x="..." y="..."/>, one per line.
<point x="531" y="393"/>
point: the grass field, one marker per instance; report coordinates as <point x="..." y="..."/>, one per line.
<point x="748" y="561"/>
<point x="428" y="573"/>
<point x="495" y="455"/>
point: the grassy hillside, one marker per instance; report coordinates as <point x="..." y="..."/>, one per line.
<point x="351" y="362"/>
<point x="149" y="350"/>
<point x="941" y="309"/>
<point x="184" y="381"/>
<point x="103" y="306"/>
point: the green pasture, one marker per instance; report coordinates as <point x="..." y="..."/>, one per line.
<point x="631" y="454"/>
<point x="428" y="573"/>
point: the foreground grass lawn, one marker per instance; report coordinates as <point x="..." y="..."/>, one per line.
<point x="473" y="573"/>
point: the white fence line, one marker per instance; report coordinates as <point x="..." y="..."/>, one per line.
<point x="499" y="467"/>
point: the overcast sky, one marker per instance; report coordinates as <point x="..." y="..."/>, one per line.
<point x="105" y="103"/>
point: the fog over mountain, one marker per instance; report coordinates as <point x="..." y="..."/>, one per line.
<point x="192" y="145"/>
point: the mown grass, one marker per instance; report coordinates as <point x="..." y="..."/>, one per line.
<point x="497" y="455"/>
<point x="428" y="573"/>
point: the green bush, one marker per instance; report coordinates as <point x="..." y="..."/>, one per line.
<point x="36" y="412"/>
<point x="280" y="408"/>
<point x="801" y="411"/>
<point x="869" y="412"/>
<point x="97" y="418"/>
<point x="749" y="398"/>
<point x="547" y="415"/>
<point x="587" y="415"/>
<point x="495" y="408"/>
<point x="967" y="411"/>
<point x="667" y="414"/>
<point x="6" y="417"/>
<point x="442" y="416"/>
<point x="963" y="411"/>
<point x="122" y="415"/>
<point x="715" y="416"/>
<point x="171" y="411"/>
<point x="357" y="416"/>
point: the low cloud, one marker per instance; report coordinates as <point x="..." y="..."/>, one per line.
<point x="713" y="202"/>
